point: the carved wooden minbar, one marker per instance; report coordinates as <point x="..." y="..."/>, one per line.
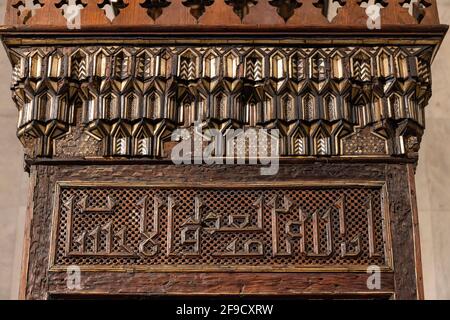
<point x="100" y="87"/>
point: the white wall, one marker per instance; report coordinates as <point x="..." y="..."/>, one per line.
<point x="12" y="185"/>
<point x="433" y="176"/>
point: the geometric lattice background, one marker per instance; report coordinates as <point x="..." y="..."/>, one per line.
<point x="281" y="228"/>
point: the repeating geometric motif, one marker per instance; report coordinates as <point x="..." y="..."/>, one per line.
<point x="327" y="10"/>
<point x="132" y="98"/>
<point x="287" y="228"/>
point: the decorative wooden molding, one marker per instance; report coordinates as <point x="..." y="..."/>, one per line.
<point x="126" y="89"/>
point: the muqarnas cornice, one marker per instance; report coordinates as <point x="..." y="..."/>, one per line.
<point x="126" y="101"/>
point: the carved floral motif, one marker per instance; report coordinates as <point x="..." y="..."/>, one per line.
<point x="155" y="7"/>
<point x="285" y="8"/>
<point x="197" y="7"/>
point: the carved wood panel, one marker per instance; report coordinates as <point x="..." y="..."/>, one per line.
<point x="183" y="13"/>
<point x="294" y="226"/>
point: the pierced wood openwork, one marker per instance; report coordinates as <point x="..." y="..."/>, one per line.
<point x="101" y="90"/>
<point x="242" y="229"/>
